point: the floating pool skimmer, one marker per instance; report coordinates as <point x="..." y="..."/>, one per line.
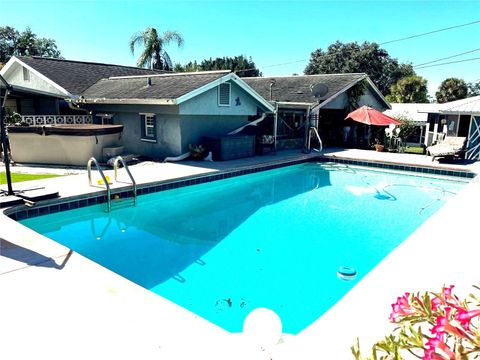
<point x="346" y="273"/>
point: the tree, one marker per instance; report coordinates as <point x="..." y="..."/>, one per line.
<point x="189" y="67"/>
<point x="410" y="89"/>
<point x="451" y="89"/>
<point x="243" y="66"/>
<point x="154" y="55"/>
<point x="352" y="57"/>
<point x="25" y="43"/>
<point x="474" y="88"/>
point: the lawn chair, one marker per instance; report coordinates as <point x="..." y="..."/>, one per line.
<point x="451" y="147"/>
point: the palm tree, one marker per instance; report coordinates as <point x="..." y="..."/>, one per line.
<point x="154" y="55"/>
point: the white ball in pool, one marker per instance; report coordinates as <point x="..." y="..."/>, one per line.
<point x="263" y="327"/>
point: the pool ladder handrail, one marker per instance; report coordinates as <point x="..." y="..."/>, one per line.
<point x="315" y="131"/>
<point x="134" y="184"/>
<point x="89" y="170"/>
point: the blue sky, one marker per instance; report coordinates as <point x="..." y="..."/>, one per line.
<point x="271" y="32"/>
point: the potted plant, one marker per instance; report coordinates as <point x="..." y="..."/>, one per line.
<point x="378" y="145"/>
<point x="12" y="117"/>
<point x="198" y="152"/>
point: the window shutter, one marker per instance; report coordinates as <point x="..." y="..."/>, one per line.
<point x="142" y="124"/>
<point x="155" y="126"/>
<point x="224" y="94"/>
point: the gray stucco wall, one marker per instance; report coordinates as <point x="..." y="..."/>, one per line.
<point x="193" y="127"/>
<point x="167" y="129"/>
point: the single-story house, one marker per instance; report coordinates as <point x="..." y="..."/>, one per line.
<point x="161" y="113"/>
<point x="324" y="99"/>
<point x="164" y="114"/>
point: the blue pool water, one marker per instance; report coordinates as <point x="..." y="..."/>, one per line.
<point x="272" y="239"/>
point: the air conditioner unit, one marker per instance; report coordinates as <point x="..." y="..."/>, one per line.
<point x="109" y="152"/>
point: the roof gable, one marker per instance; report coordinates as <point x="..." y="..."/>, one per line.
<point x="77" y="76"/>
<point x="297" y="89"/>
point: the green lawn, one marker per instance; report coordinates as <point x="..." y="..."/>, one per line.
<point x="414" y="150"/>
<point x="24" y="177"/>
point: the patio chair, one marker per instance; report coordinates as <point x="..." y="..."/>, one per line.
<point x="450" y="147"/>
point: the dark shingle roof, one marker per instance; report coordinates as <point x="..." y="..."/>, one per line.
<point x="298" y="88"/>
<point x="76" y="76"/>
<point x="168" y="86"/>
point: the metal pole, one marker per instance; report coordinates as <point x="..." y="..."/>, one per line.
<point x="275" y="125"/>
<point x="3" y="135"/>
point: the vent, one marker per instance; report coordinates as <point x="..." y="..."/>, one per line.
<point x="26" y="74"/>
<point x="224" y="94"/>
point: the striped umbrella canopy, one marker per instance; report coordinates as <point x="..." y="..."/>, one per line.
<point x="370" y="116"/>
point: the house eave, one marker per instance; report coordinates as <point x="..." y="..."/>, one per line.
<point x="453" y="112"/>
<point x="22" y="89"/>
<point x="341" y="91"/>
<point x="293" y="104"/>
<point x="129" y="101"/>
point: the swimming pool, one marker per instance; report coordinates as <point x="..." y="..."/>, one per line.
<point x="273" y="239"/>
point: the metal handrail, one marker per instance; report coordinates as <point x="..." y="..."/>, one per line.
<point x="318" y="138"/>
<point x="89" y="170"/>
<point x="134" y="184"/>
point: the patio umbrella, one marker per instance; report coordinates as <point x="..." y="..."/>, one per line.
<point x="370" y="116"/>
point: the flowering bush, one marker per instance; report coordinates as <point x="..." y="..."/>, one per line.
<point x="432" y="326"/>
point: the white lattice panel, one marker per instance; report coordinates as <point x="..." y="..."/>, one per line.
<point x="57" y="119"/>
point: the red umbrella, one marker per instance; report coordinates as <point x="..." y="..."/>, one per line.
<point x="371" y="116"/>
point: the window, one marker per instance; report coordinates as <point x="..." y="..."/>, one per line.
<point x="224" y="94"/>
<point x="149" y="132"/>
<point x="26" y="74"/>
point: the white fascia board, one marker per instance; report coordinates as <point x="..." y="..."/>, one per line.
<point x="460" y="112"/>
<point x="8" y="65"/>
<point x="293" y="104"/>
<point x="129" y="101"/>
<point x="37" y="73"/>
<point x="231" y="76"/>
<point x="40" y="92"/>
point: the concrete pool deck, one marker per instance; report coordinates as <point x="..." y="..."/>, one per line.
<point x="59" y="304"/>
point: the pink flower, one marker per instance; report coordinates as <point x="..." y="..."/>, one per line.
<point x="465" y="317"/>
<point x="443" y="326"/>
<point x="436" y="302"/>
<point x="401" y="308"/>
<point x="448" y="297"/>
<point x="432" y="345"/>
